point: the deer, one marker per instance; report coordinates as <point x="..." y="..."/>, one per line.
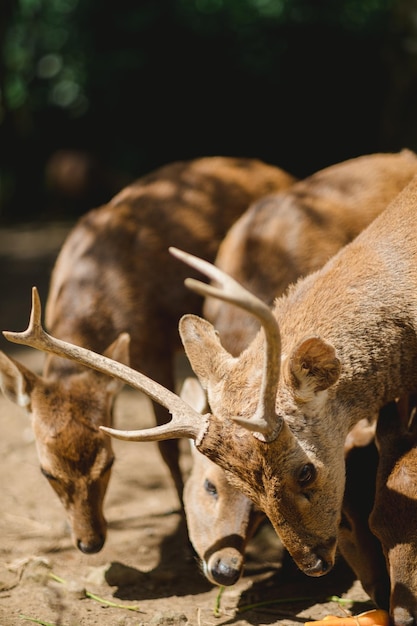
<point x="278" y="239"/>
<point x="220" y="520"/>
<point x="114" y="274"/>
<point x="271" y="430"/>
<point x="336" y="347"/>
<point x="393" y="516"/>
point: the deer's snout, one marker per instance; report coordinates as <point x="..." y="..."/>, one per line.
<point x="224" y="567"/>
<point x="318" y="562"/>
<point x="91" y="546"/>
<point x="88" y="530"/>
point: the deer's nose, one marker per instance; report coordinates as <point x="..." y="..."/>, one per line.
<point x="91" y="547"/>
<point x="320" y="561"/>
<point x="224" y="568"/>
<point x="319" y="568"/>
<point x="225" y="573"/>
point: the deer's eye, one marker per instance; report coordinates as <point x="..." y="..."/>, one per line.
<point x="210" y="488"/>
<point x="306" y="475"/>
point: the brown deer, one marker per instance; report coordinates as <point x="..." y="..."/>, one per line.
<point x="338" y="346"/>
<point x="276" y="241"/>
<point x="339" y="395"/>
<point x="220" y="520"/>
<point x="394" y="514"/>
<point x="114" y="274"/>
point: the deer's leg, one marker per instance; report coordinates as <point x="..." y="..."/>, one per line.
<point x="359" y="547"/>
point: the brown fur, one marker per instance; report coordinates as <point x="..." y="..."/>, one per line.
<point x="295" y="232"/>
<point x="114" y="274"/>
<point x="358" y="545"/>
<point x="277" y="240"/>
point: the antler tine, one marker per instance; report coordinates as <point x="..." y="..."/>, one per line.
<point x="33" y="336"/>
<point x="172" y="430"/>
<point x="264" y="420"/>
<point x="186" y="422"/>
<point x="230" y="290"/>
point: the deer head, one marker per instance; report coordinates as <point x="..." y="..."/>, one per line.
<point x="220" y="519"/>
<point x="75" y="456"/>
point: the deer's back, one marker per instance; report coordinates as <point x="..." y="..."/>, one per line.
<point x="114" y="272"/>
<point x="294" y="232"/>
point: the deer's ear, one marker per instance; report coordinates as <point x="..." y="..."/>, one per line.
<point x="118" y="351"/>
<point x="193" y="393"/>
<point x="207" y="356"/>
<point x="313" y="367"/>
<point x="16" y="381"/>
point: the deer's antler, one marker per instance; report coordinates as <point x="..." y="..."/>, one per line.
<point x="265" y="419"/>
<point x="186" y="422"/>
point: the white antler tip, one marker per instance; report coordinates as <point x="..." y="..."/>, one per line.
<point x="107" y="430"/>
<point x="180" y="254"/>
<point x="125" y="435"/>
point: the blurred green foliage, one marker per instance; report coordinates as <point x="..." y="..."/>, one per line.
<point x="300" y="83"/>
<point x="48" y="43"/>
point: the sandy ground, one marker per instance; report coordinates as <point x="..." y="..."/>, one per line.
<point x="146" y="574"/>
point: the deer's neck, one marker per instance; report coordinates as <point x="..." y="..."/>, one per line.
<point x="369" y="319"/>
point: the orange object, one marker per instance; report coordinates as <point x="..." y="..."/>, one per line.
<point x="376" y="617"/>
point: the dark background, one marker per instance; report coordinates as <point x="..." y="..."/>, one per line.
<point x="97" y="92"/>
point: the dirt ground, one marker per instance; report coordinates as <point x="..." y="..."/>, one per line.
<point x="146" y="573"/>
